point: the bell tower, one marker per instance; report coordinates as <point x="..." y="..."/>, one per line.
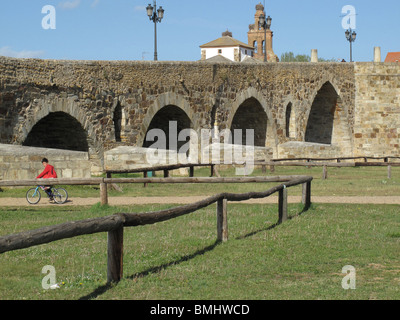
<point x="260" y="36"/>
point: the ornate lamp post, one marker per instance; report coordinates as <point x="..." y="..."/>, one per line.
<point x="156" y="16"/>
<point x="266" y="25"/>
<point x="351" y="37"/>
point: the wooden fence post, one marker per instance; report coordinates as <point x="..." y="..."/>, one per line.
<point x="103" y="193"/>
<point x="282" y="205"/>
<point x="306" y="195"/>
<point x="324" y="172"/>
<point x="222" y="220"/>
<point x="115" y="250"/>
<point x="191" y="171"/>
<point x="144" y="176"/>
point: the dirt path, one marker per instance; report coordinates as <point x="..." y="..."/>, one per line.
<point x="16" y="202"/>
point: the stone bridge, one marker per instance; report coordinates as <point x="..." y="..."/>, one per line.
<point x="295" y="109"/>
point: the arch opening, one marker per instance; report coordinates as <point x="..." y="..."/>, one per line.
<point x="162" y="120"/>
<point x="320" y="121"/>
<point x="255" y="45"/>
<point x="58" y="130"/>
<point x="117" y="118"/>
<point x="250" y="115"/>
<point x="290" y="121"/>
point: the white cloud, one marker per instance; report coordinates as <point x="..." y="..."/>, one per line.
<point x="69" y="5"/>
<point x="8" y="52"/>
<point x="95" y="3"/>
<point x="140" y="8"/>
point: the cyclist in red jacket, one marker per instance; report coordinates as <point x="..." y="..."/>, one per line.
<point x="47" y="173"/>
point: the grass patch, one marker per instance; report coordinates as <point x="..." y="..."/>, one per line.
<point x="180" y="259"/>
<point x="358" y="181"/>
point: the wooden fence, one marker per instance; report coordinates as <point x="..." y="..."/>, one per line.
<point x="332" y="162"/>
<point x="166" y="169"/>
<point x="325" y="163"/>
<point x="114" y="225"/>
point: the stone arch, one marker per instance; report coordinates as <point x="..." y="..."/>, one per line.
<point x="119" y="114"/>
<point x="41" y="108"/>
<point x="250" y="115"/>
<point x="321" y="115"/>
<point x="251" y="93"/>
<point x="162" y="120"/>
<point x="58" y="130"/>
<point x="117" y="120"/>
<point x="290" y="121"/>
<point x="255" y="45"/>
<point x="307" y="103"/>
<point x="214" y="116"/>
<point x="164" y="100"/>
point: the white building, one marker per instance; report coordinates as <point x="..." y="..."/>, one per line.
<point x="227" y="47"/>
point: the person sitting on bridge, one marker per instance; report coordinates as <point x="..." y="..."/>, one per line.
<point x="48" y="173"/>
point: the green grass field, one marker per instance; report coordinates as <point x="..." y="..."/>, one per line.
<point x="180" y="259"/>
<point x="365" y="181"/>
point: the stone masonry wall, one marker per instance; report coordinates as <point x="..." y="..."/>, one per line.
<point x="24" y="163"/>
<point x="366" y="115"/>
<point x="91" y="90"/>
<point x="377" y="125"/>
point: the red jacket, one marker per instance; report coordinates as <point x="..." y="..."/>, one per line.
<point x="47" y="173"/>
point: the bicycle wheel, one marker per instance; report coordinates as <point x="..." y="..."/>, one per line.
<point x="33" y="196"/>
<point x="60" y="195"/>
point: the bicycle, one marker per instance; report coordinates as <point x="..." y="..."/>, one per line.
<point x="59" y="195"/>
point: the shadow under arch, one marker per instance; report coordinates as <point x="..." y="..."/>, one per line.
<point x="250" y="115"/>
<point x="58" y="130"/>
<point x="55" y="108"/>
<point x="168" y="119"/>
<point x="165" y="100"/>
<point x="321" y="115"/>
<point x="255" y="96"/>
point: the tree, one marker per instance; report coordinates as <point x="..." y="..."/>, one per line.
<point x="290" y="57"/>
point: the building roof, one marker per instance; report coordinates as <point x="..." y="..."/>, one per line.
<point x="226" y="41"/>
<point x="251" y="60"/>
<point x="219" y="58"/>
<point x="393" y="57"/>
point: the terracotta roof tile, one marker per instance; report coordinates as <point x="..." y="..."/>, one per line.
<point x="393" y="57"/>
<point x="225" y="42"/>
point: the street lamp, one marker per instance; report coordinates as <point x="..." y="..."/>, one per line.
<point x="155" y="16"/>
<point x="351" y="37"/>
<point x="266" y="25"/>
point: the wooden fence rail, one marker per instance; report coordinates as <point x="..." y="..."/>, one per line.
<point x="306" y="162"/>
<point x="165" y="168"/>
<point x="325" y="163"/>
<point x="338" y="159"/>
<point x="115" y="224"/>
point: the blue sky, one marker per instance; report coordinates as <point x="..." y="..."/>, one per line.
<point x="121" y="30"/>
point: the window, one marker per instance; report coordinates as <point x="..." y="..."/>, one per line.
<point x="219" y="51"/>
